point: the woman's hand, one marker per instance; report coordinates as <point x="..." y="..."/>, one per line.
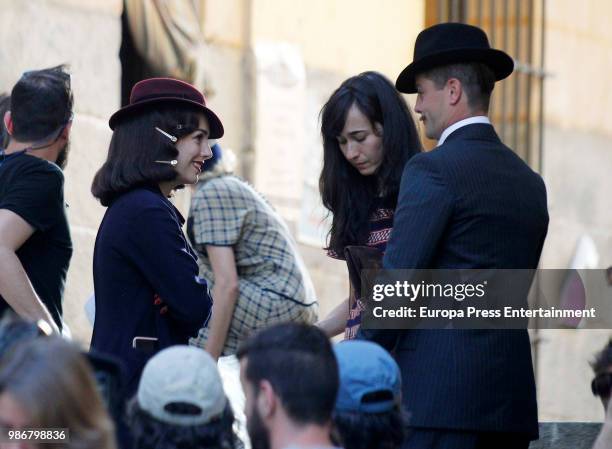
<point x="335" y="322"/>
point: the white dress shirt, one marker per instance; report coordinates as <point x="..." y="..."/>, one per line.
<point x="462" y="123"/>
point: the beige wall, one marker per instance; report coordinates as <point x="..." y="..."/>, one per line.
<point x="578" y="46"/>
<point x="577" y="171"/>
<point x="336" y="39"/>
<point x="86" y="35"/>
<point x="343" y="36"/>
<point x="226" y="24"/>
<point x="578" y="131"/>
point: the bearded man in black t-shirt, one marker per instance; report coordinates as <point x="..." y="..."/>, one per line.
<point x="35" y="243"/>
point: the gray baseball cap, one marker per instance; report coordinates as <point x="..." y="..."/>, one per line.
<point x="182" y="374"/>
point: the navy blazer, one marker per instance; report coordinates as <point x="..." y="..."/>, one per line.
<point x="470" y="203"/>
<point x="141" y="252"/>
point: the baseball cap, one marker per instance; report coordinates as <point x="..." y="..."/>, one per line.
<point x="182" y="374"/>
<point x="367" y="372"/>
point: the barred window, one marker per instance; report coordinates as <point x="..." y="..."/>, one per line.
<point x="517" y="27"/>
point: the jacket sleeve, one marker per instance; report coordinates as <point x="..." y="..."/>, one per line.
<point x="424" y="208"/>
<point x="158" y="247"/>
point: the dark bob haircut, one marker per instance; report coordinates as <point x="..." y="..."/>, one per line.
<point x="136" y="145"/>
<point x="41" y="103"/>
<point x="151" y="433"/>
<point x="349" y="196"/>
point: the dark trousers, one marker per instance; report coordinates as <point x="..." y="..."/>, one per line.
<point x="419" y="438"/>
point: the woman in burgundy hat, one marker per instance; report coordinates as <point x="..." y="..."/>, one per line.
<point x="147" y="290"/>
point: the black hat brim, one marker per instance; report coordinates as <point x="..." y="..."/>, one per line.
<point x="216" y="127"/>
<point x="500" y="62"/>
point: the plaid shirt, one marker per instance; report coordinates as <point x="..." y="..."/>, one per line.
<point x="274" y="285"/>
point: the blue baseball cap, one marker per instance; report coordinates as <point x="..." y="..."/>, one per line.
<point x="217" y="154"/>
<point x="366" y="368"/>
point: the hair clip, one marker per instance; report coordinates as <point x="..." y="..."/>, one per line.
<point x="44" y="328"/>
<point x="173" y="162"/>
<point x="169" y="136"/>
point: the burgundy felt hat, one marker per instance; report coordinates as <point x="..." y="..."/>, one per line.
<point x="452" y="43"/>
<point x="166" y="90"/>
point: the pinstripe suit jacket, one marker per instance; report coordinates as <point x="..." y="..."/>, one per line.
<point x="470" y="203"/>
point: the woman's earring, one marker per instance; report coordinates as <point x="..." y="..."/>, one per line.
<point x="169" y="136"/>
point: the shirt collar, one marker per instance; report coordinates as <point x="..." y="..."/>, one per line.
<point x="460" y="124"/>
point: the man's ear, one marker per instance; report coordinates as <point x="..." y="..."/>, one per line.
<point x="455" y="91"/>
<point x="66" y="131"/>
<point x="266" y="399"/>
<point x="8" y="122"/>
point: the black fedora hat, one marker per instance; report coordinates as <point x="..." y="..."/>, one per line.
<point x="452" y="43"/>
<point x="166" y="90"/>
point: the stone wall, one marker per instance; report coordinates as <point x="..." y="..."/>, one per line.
<point x="577" y="170"/>
<point x="86" y="35"/>
<point x="336" y="40"/>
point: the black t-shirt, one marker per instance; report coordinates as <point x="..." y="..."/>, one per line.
<point x="33" y="188"/>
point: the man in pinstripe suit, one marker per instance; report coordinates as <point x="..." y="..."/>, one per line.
<point x="469" y="203"/>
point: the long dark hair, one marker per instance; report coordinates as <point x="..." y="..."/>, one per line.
<point x="136" y="145"/>
<point x="347" y="194"/>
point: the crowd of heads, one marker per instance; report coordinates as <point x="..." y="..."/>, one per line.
<point x="296" y="383"/>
